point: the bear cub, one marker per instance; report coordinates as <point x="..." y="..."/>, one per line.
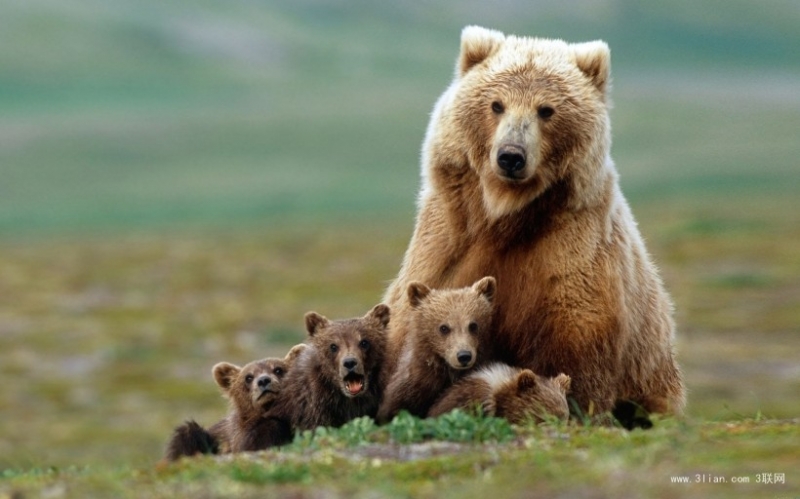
<point x="338" y="376"/>
<point x="519" y="395"/>
<point x="252" y="391"/>
<point x="446" y="327"/>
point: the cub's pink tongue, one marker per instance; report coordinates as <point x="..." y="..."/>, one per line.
<point x="355" y="386"/>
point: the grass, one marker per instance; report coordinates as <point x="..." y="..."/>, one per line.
<point x="539" y="461"/>
<point x="181" y="183"/>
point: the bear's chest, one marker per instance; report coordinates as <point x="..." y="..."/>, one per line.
<point x="516" y="268"/>
<point x="545" y="289"/>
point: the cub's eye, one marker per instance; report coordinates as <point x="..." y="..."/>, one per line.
<point x="363" y="344"/>
<point x="545" y="112"/>
<point x="278" y="371"/>
<point x="444" y="329"/>
<point x="473" y="327"/>
<point x="497" y="107"/>
<point x="334" y="348"/>
<point x="249" y="379"/>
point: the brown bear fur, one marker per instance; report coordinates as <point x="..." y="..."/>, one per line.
<point x="519" y="395"/>
<point x="252" y="390"/>
<point x="518" y="183"/>
<point x="442" y="344"/>
<point x="338" y="377"/>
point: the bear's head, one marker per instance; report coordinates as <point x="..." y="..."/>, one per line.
<point x="528" y="396"/>
<point x="529" y="114"/>
<point x="350" y="351"/>
<point x="448" y="322"/>
<point x="253" y="388"/>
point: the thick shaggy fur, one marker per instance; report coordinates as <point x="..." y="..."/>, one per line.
<point x="252" y="391"/>
<point x="577" y="291"/>
<point x="190" y="439"/>
<point x="338" y="377"/>
<point x="518" y="395"/>
<point x="442" y="344"/>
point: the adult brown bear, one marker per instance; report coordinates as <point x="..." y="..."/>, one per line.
<point x="518" y="183"/>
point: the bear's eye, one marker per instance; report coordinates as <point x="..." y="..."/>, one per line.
<point x="444" y="329"/>
<point x="363" y="344"/>
<point x="497" y="107"/>
<point x="473" y="327"/>
<point x="334" y="348"/>
<point x="278" y="371"/>
<point x="249" y="378"/>
<point x="545" y="112"/>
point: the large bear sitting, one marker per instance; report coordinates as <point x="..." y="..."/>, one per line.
<point x="517" y="183"/>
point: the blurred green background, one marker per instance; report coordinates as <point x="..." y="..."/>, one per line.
<point x="180" y="181"/>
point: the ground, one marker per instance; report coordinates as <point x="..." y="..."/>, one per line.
<point x="748" y="458"/>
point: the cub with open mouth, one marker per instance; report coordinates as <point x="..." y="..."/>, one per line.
<point x="338" y="377"/>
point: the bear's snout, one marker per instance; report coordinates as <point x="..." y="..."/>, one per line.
<point x="263" y="389"/>
<point x="263" y="382"/>
<point x="511" y="160"/>
<point x="350" y="363"/>
<point x="353" y="377"/>
<point x="464" y="357"/>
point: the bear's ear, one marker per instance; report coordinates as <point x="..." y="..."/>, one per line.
<point x="315" y="322"/>
<point x="486" y="287"/>
<point x="526" y="380"/>
<point x="380" y="314"/>
<point x="564" y="382"/>
<point x="225" y="374"/>
<point x="594" y="60"/>
<point x="416" y="293"/>
<point x="476" y="45"/>
<point x="295" y="352"/>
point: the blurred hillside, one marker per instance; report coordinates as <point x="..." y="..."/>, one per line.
<point x="117" y="114"/>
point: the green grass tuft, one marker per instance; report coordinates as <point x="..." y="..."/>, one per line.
<point x="456" y="426"/>
<point x="261" y="472"/>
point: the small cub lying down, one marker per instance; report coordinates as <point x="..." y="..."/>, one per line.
<point x="519" y="395"/>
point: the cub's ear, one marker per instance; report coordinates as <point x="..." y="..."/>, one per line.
<point x="295" y="352"/>
<point x="526" y="380"/>
<point x="486" y="287"/>
<point x="380" y="313"/>
<point x="315" y="322"/>
<point x="225" y="374"/>
<point x="476" y="45"/>
<point x="564" y="382"/>
<point x="594" y="60"/>
<point x="417" y="293"/>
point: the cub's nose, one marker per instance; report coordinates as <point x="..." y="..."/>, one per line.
<point x="263" y="381"/>
<point x="350" y="363"/>
<point x="511" y="159"/>
<point x="464" y="357"/>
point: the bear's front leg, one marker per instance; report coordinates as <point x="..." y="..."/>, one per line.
<point x="590" y="352"/>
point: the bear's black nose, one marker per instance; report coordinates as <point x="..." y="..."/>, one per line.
<point x="349" y="363"/>
<point x="464" y="356"/>
<point x="263" y="381"/>
<point x="511" y="159"/>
